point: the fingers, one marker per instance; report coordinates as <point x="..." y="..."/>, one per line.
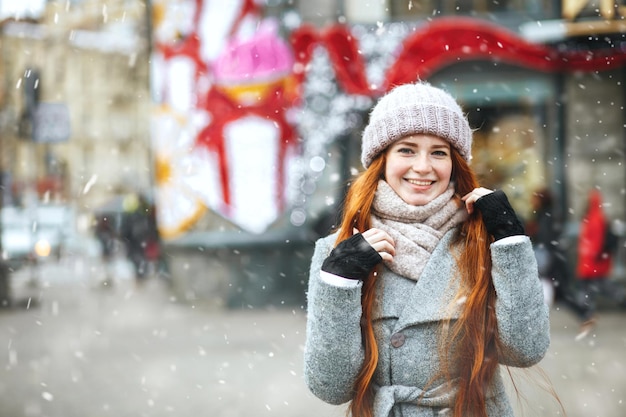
<point x="381" y="242"/>
<point x="471" y="197"/>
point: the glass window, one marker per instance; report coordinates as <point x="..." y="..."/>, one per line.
<point x="411" y="9"/>
<point x="407" y="9"/>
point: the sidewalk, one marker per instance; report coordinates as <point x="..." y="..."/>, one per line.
<point x="86" y="350"/>
<point x="124" y="350"/>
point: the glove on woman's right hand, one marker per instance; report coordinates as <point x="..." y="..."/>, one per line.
<point x="354" y="258"/>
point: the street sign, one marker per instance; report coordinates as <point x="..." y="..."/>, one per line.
<point x="51" y="123"/>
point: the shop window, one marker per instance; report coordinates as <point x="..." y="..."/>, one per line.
<point x="412" y="9"/>
<point x="407" y="9"/>
<point x="509" y="153"/>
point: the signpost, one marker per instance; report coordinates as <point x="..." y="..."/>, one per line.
<point x="51" y="123"/>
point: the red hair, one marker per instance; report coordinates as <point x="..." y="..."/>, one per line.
<point x="474" y="333"/>
<point x="356" y="215"/>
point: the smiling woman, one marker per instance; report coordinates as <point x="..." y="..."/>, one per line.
<point x="429" y="282"/>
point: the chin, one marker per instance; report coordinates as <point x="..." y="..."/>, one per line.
<point x="417" y="201"/>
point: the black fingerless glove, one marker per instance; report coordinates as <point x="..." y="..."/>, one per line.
<point x="499" y="217"/>
<point x="353" y="258"/>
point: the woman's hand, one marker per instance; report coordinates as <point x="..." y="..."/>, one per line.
<point x="471" y="197"/>
<point x="381" y="242"/>
<point x="355" y="257"/>
<point x="497" y="213"/>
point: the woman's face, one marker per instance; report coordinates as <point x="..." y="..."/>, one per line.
<point x="419" y="168"/>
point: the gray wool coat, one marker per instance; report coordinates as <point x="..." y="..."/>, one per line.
<point x="407" y="328"/>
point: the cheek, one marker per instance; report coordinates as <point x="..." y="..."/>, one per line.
<point x="391" y="170"/>
<point x="445" y="171"/>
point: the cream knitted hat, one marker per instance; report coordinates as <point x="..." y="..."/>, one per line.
<point x="415" y="108"/>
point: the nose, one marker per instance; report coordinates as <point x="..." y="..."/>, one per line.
<point x="421" y="163"/>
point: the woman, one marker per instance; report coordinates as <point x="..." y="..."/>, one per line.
<point x="430" y="283"/>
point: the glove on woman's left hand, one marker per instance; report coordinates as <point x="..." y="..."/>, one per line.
<point x="499" y="217"/>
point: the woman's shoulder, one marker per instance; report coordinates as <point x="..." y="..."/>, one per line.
<point x="328" y="240"/>
<point x="324" y="245"/>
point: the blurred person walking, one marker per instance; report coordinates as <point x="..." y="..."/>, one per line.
<point x="430" y="283"/>
<point x="140" y="233"/>
<point x="544" y="230"/>
<point x="106" y="235"/>
<point x="594" y="264"/>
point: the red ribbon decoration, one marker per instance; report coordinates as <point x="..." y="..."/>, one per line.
<point x="344" y="54"/>
<point x="444" y="41"/>
<point x="188" y="47"/>
<point x="223" y="111"/>
<point x="449" y="40"/>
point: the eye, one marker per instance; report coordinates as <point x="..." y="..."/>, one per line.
<point x="440" y="153"/>
<point x="405" y="150"/>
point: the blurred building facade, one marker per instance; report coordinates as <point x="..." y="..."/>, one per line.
<point x="538" y="124"/>
<point x="90" y="59"/>
<point x="566" y="125"/>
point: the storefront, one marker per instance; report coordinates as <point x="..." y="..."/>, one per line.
<point x="547" y="116"/>
<point x="266" y="151"/>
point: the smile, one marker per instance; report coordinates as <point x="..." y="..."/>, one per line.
<point x="420" y="183"/>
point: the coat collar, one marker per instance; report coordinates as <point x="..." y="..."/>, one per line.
<point x="430" y="299"/>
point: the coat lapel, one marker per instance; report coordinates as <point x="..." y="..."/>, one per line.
<point x="432" y="297"/>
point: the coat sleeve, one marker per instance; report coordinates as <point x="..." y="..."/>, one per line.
<point x="333" y="352"/>
<point x="523" y="316"/>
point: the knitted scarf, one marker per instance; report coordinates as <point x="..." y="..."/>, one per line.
<point x="416" y="230"/>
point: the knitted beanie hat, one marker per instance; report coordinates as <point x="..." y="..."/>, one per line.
<point x="415" y="108"/>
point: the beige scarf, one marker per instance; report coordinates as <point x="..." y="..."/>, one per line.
<point x="416" y="230"/>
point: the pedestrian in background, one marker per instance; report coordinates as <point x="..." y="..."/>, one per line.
<point x="594" y="264"/>
<point x="544" y="230"/>
<point x="106" y="235"/>
<point x="430" y="283"/>
<point x="140" y="234"/>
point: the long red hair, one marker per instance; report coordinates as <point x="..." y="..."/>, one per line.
<point x="474" y="333"/>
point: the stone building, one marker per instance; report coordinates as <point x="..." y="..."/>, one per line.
<point x="90" y="58"/>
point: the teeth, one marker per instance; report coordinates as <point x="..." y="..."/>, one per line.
<point x="423" y="183"/>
